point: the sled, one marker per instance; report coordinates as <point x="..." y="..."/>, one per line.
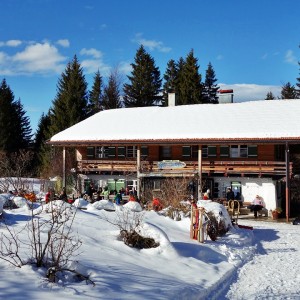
<point x="245" y="227"/>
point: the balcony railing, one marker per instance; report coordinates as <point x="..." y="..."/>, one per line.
<point x="151" y="168"/>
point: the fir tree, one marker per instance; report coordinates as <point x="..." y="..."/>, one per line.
<point x="288" y="91"/>
<point x="41" y="149"/>
<point x="70" y="104"/>
<point x="210" y="88"/>
<point x="95" y="95"/>
<point x="111" y="93"/>
<point x="170" y="80"/>
<point x="270" y="96"/>
<point x="145" y="82"/>
<point x="22" y="123"/>
<point x="189" y="84"/>
<point x="15" y="131"/>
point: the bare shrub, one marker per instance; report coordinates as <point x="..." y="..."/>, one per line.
<point x="51" y="241"/>
<point x="15" y="169"/>
<point x="130" y="225"/>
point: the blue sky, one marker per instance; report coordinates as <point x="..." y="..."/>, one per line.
<point x="252" y="45"/>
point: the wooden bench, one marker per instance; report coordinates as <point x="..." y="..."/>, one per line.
<point x="244" y="210"/>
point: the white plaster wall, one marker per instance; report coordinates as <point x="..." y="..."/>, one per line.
<point x="264" y="187"/>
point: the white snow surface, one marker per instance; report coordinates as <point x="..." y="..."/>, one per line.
<point x="254" y="119"/>
<point x="262" y="263"/>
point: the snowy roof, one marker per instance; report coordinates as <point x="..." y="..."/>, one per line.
<point x="272" y="120"/>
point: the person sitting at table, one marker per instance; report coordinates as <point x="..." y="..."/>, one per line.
<point x="257" y="204"/>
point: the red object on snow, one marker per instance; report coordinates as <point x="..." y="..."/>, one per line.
<point x="245" y="227"/>
<point x="225" y="91"/>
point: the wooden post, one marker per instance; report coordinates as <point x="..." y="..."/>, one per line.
<point x="192" y="223"/>
<point x="201" y="227"/>
<point x="287" y="181"/>
<point x="138" y="169"/>
<point x="199" y="172"/>
<point x="64" y="167"/>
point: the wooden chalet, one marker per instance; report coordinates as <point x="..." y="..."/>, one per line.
<point x="244" y="146"/>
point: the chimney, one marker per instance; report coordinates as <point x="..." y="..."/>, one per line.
<point x="171" y="99"/>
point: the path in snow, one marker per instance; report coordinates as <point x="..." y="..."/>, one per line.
<point x="274" y="272"/>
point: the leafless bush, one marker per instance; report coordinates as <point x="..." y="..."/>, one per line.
<point x="130" y="224"/>
<point x="10" y="245"/>
<point x="172" y="193"/>
<point x="51" y="241"/>
<point x="14" y="169"/>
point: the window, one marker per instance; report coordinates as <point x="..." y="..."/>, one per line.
<point x="121" y="152"/>
<point x="209" y="151"/>
<point x="224" y="151"/>
<point x="165" y="152"/>
<point x="243" y="151"/>
<point x="144" y="151"/>
<point x="190" y="151"/>
<point x="90" y="152"/>
<point x="111" y="152"/>
<point x="252" y="151"/>
<point x="103" y="151"/>
<point x="186" y="151"/>
<point x="131" y="151"/>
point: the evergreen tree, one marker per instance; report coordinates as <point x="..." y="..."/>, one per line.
<point x="145" y="82"/>
<point x="288" y="91"/>
<point x="22" y="123"/>
<point x="170" y="80"/>
<point x="41" y="149"/>
<point x="95" y="95"/>
<point x="270" y="96"/>
<point x="70" y="103"/>
<point x="15" y="131"/>
<point x="111" y="93"/>
<point x="189" y="84"/>
<point x="210" y="88"/>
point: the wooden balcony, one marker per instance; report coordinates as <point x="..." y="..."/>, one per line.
<point x="221" y="168"/>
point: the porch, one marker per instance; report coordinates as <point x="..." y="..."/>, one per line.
<point x="188" y="168"/>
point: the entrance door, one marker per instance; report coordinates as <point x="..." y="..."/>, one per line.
<point x="236" y="187"/>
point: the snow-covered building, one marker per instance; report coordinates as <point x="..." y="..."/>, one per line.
<point x="244" y="146"/>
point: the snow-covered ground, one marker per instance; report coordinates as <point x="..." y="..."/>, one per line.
<point x="262" y="263"/>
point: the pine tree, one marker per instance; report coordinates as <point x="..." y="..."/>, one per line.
<point x="22" y="122"/>
<point x="189" y="84"/>
<point x="70" y="104"/>
<point x="111" y="93"/>
<point x="288" y="91"/>
<point x="170" y="80"/>
<point x="95" y="95"/>
<point x="270" y="96"/>
<point x="145" y="82"/>
<point x="210" y="88"/>
<point x="15" y="131"/>
<point x="41" y="149"/>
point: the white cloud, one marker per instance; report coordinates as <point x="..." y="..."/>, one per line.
<point x="11" y="43"/>
<point x="95" y="63"/>
<point x="248" y="92"/>
<point x="64" y="43"/>
<point x="151" y="44"/>
<point x="290" y="58"/>
<point x="91" y="52"/>
<point x="124" y="67"/>
<point x="38" y="58"/>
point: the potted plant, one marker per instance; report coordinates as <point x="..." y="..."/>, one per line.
<point x="276" y="212"/>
